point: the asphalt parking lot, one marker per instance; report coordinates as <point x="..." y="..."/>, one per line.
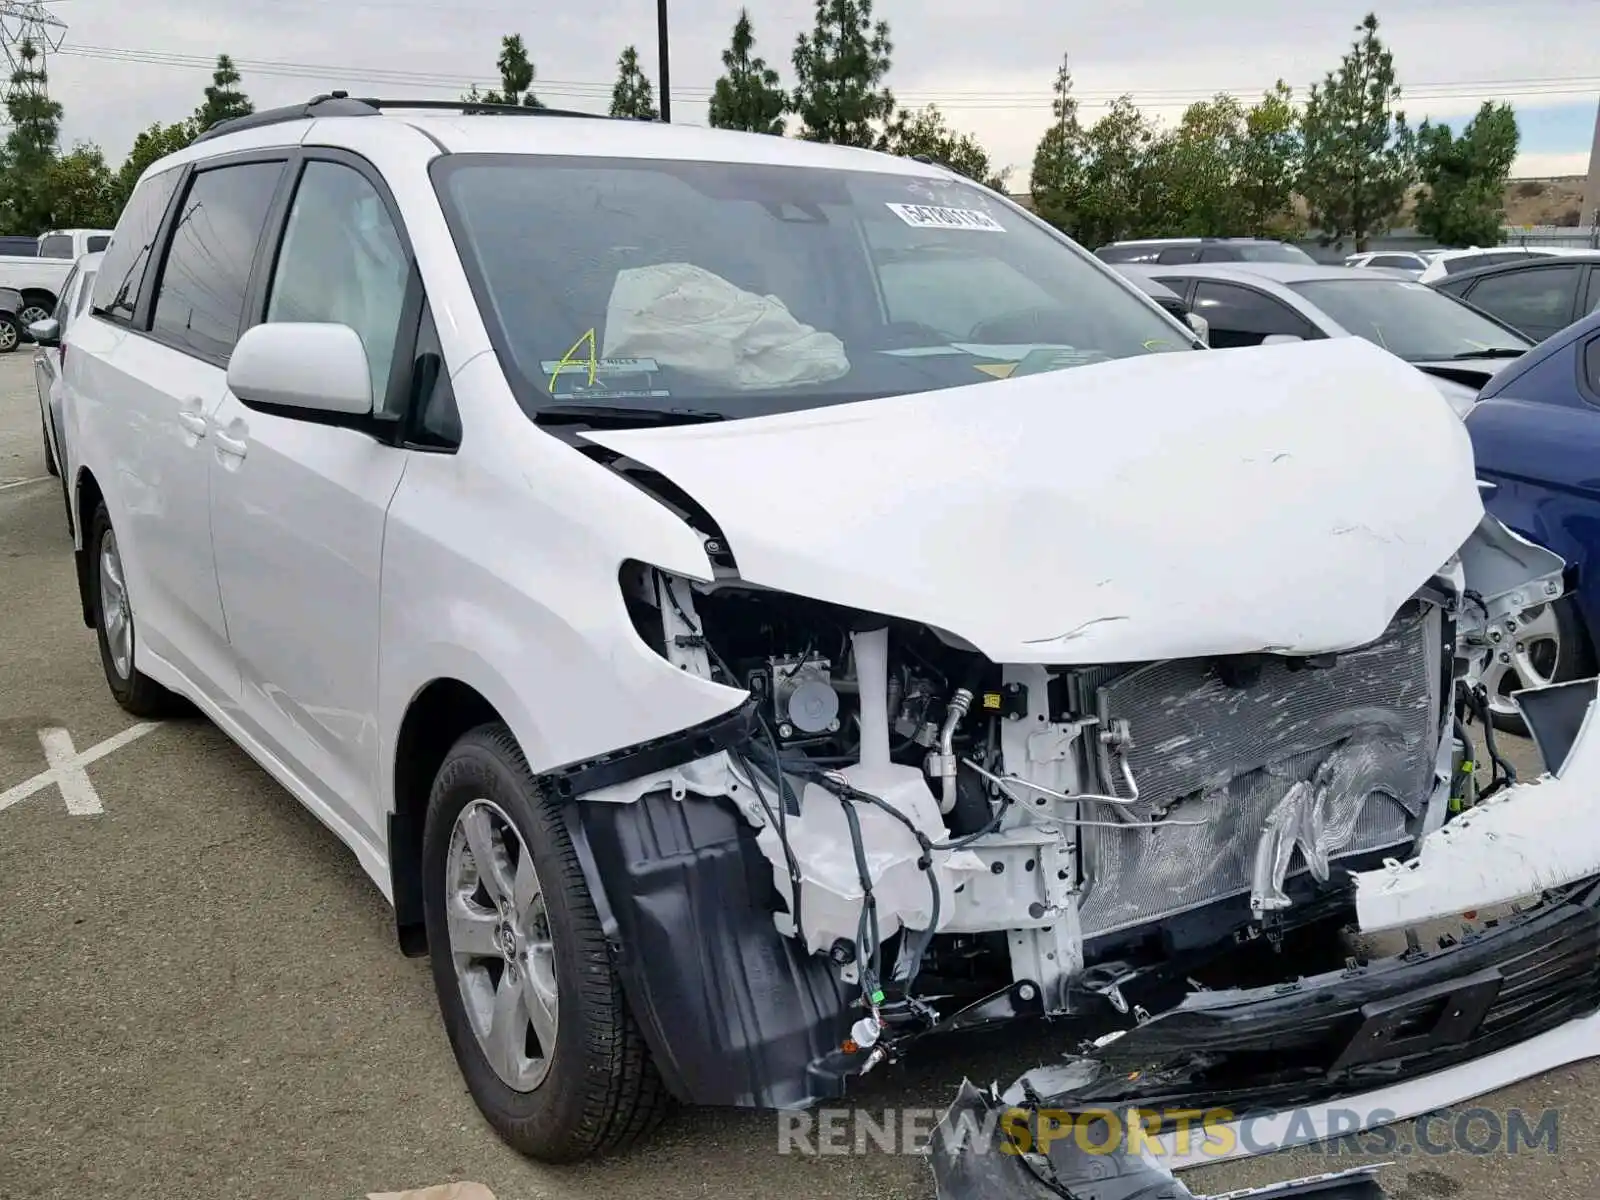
<point x="200" y="994"/>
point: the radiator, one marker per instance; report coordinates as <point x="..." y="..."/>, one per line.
<point x="1205" y="750"/>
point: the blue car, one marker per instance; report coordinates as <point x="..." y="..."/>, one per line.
<point x="1536" y="433"/>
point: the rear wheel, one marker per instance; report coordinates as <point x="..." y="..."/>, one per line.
<point x="114" y="626"/>
<point x="32" y="311"/>
<point x="533" y="1008"/>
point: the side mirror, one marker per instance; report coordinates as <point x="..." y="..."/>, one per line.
<point x="1281" y="339"/>
<point x="308" y="368"/>
<point x="1200" y="325"/>
<point x="46" y="332"/>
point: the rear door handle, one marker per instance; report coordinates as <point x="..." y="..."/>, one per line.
<point x="229" y="445"/>
<point x="193" y="422"/>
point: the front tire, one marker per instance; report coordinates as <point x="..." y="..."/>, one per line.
<point x="530" y="1000"/>
<point x="114" y="626"/>
<point x="10" y="333"/>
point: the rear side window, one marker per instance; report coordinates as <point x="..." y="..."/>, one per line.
<point x="1403" y="261"/>
<point x="98" y="242"/>
<point x="200" y="299"/>
<point x="122" y="270"/>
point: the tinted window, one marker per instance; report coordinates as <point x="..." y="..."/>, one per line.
<point x="122" y="270"/>
<point x="200" y="299"/>
<point x="1407" y="319"/>
<point x="342" y="262"/>
<point x="1241" y="317"/>
<point x="1278" y="252"/>
<point x="1592" y="304"/>
<point x="1178" y="254"/>
<point x="57" y="245"/>
<point x="752" y="288"/>
<point x="1537" y="300"/>
<point x="97" y="242"/>
<point x="1124" y="254"/>
<point x="1404" y="261"/>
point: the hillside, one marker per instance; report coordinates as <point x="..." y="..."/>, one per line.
<point x="1544" y="201"/>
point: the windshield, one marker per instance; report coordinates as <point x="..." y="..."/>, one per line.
<point x="1277" y="252"/>
<point x="1408" y="319"/>
<point x="740" y="289"/>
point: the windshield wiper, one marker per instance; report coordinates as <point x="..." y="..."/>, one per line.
<point x="619" y="414"/>
<point x="1492" y="352"/>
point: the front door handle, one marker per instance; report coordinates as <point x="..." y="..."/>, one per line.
<point x="193" y="422"/>
<point x="229" y="445"/>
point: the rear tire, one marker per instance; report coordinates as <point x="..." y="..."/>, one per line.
<point x="50" y="463"/>
<point x="594" y="1089"/>
<point x="135" y="691"/>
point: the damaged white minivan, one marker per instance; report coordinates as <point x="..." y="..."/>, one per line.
<point x="752" y="604"/>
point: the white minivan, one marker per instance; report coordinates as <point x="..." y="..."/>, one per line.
<point x="750" y="604"/>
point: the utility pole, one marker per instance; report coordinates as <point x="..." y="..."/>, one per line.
<point x="661" y="43"/>
<point x="29" y="21"/>
<point x="1590" y="204"/>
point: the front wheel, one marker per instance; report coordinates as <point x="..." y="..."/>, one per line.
<point x="530" y="1000"/>
<point x="10" y="333"/>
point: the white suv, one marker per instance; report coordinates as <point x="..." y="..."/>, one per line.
<point x="749" y="603"/>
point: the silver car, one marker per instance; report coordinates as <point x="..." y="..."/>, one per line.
<point x="1247" y="304"/>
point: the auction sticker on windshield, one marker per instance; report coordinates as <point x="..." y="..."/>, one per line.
<point x="929" y="216"/>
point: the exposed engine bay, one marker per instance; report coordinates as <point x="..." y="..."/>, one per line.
<point x="960" y="842"/>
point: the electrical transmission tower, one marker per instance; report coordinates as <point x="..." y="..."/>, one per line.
<point x="29" y="21"/>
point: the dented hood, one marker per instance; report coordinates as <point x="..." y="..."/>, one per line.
<point x="1285" y="499"/>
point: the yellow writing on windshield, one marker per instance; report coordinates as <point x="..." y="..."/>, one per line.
<point x="571" y="359"/>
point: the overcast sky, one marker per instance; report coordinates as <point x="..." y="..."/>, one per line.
<point x="988" y="66"/>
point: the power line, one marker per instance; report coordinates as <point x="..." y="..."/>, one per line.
<point x="1551" y="86"/>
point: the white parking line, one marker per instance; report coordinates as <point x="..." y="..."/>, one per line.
<point x="67" y="769"/>
<point x="16" y="483"/>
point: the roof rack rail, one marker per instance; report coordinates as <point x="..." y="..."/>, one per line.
<point x="343" y="104"/>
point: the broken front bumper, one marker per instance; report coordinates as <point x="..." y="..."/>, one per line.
<point x="1377" y="1042"/>
<point x="1231" y="1074"/>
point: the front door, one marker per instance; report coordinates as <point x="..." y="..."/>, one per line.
<point x="298" y="510"/>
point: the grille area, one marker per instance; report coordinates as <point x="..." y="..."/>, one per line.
<point x="1227" y="754"/>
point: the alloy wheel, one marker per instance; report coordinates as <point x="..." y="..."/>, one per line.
<point x="8" y="337"/>
<point x="1526" y="658"/>
<point x="501" y="945"/>
<point x="116" y="617"/>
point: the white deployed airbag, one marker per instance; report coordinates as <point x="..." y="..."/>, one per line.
<point x="692" y="320"/>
